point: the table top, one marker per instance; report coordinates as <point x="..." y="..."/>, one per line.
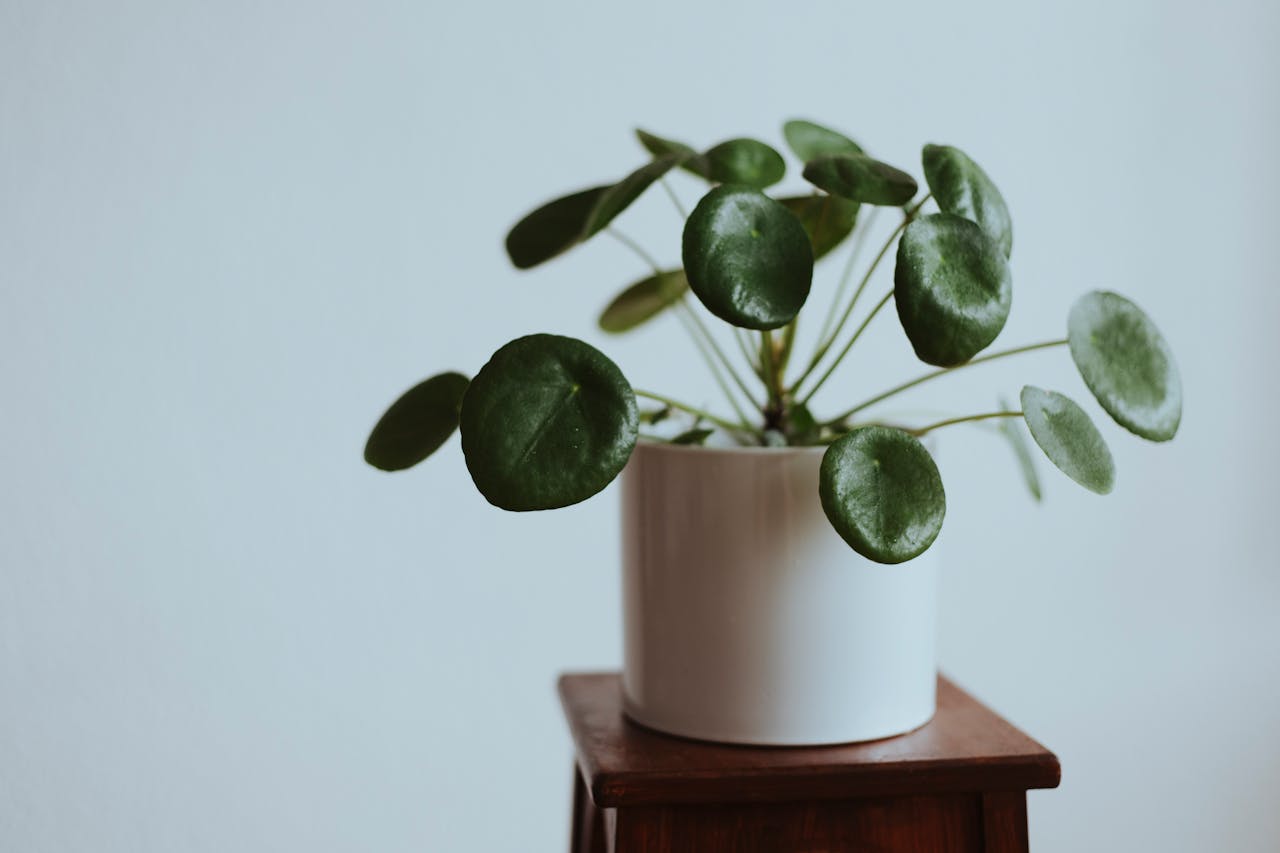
<point x="966" y="747"/>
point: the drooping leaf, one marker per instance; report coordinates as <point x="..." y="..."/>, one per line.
<point x="742" y="161"/>
<point x="548" y="422"/>
<point x="659" y="147"/>
<point x="554" y="228"/>
<point x="417" y="424"/>
<point x="690" y="160"/>
<point x="952" y="288"/>
<point x="644" y="300"/>
<point x="559" y="225"/>
<point x="1069" y="438"/>
<point x="882" y="493"/>
<point x="1126" y="363"/>
<point x="693" y="436"/>
<point x="960" y="186"/>
<point x="828" y="219"/>
<point x="809" y="140"/>
<point x="858" y="177"/>
<point x="747" y="258"/>
<point x="1012" y="431"/>
<point x="619" y="197"/>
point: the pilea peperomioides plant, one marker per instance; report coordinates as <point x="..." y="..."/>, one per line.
<point x="549" y="421"/>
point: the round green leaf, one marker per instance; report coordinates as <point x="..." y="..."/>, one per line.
<point x="618" y="197"/>
<point x="1069" y="438"/>
<point x="960" y="186"/>
<point x="1126" y="363"/>
<point x="952" y="288"/>
<point x="747" y="258"/>
<point x="548" y="422"/>
<point x="644" y="300"/>
<point x="417" y="424"/>
<point x="828" y="219"/>
<point x="553" y="228"/>
<point x="858" y="177"/>
<point x="809" y="140"/>
<point x="743" y="161"/>
<point x="882" y="493"/>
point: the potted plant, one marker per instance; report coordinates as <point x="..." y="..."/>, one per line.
<point x="774" y="588"/>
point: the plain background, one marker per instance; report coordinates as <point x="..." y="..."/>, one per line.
<point x="231" y="233"/>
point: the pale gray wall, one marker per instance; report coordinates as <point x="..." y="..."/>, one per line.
<point x="231" y="232"/>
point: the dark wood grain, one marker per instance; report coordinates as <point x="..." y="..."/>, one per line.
<point x="928" y="824"/>
<point x="965" y="748"/>
<point x="1004" y="822"/>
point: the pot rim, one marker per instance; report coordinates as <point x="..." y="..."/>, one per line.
<point x="650" y="445"/>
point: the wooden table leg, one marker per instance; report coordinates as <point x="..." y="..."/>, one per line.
<point x="587" y="832"/>
<point x="1004" y="822"/>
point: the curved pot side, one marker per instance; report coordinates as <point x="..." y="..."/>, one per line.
<point x="747" y="619"/>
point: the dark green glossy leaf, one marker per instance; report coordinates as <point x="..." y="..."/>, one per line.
<point x="548" y="422"/>
<point x="960" y="186"/>
<point x="809" y="140"/>
<point x="644" y="300"/>
<point x="952" y="288"/>
<point x="693" y="436"/>
<point x="743" y="161"/>
<point x="1069" y="438"/>
<point x="1011" y="429"/>
<point x="827" y="219"/>
<point x="553" y="228"/>
<point x="747" y="258"/>
<point x="1126" y="363"/>
<point x="882" y="493"/>
<point x="417" y="424"/>
<point x="618" y="197"/>
<point x="858" y="177"/>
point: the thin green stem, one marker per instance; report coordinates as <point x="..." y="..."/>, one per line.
<point x="753" y="359"/>
<point x="788" y="343"/>
<point x="853" y="340"/>
<point x="770" y="368"/>
<point x="696" y="324"/>
<point x="830" y="340"/>
<point x="693" y="410"/>
<point x="919" y="431"/>
<point x="715" y="371"/>
<point x="859" y="241"/>
<point x="898" y="389"/>
<point x="635" y="247"/>
<point x="675" y="199"/>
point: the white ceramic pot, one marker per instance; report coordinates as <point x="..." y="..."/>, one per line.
<point x="747" y="619"/>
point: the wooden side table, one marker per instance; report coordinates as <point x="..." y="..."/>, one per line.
<point x="957" y="784"/>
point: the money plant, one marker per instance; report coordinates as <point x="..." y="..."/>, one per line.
<point x="550" y="421"/>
